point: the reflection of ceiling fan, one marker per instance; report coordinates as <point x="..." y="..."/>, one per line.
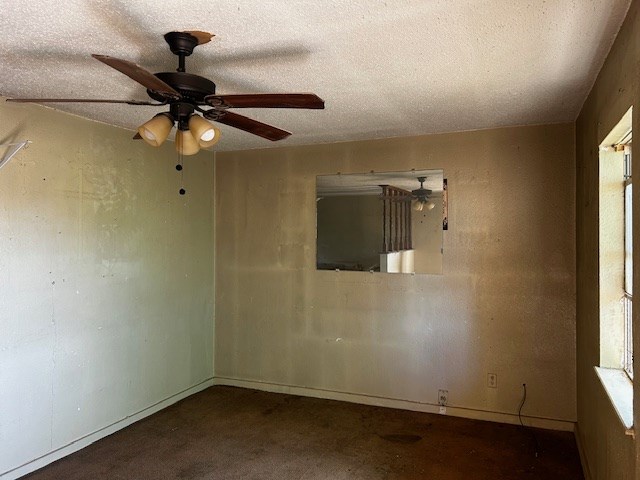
<point x="421" y="197"/>
<point x="186" y="93"/>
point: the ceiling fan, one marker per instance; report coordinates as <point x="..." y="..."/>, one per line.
<point x="188" y="94"/>
<point x="419" y="196"/>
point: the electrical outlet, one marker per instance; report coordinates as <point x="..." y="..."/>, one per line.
<point x="492" y="380"/>
<point x="443" y="397"/>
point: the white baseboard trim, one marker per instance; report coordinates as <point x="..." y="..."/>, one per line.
<point x="88" y="439"/>
<point x="583" y="455"/>
<point x="476" y="414"/>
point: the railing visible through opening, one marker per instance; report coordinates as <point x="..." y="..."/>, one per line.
<point x="396" y="219"/>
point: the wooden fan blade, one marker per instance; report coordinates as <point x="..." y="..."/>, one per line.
<point x="252" y="126"/>
<point x="80" y="100"/>
<point x="266" y="100"/>
<point x="203" y="37"/>
<point x="139" y="74"/>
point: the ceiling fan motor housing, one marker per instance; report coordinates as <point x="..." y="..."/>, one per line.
<point x="421" y="193"/>
<point x="192" y="87"/>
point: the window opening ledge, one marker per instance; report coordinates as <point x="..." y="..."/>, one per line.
<point x="619" y="388"/>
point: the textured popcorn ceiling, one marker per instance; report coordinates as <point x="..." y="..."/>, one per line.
<point x="384" y="68"/>
<point x="369" y="183"/>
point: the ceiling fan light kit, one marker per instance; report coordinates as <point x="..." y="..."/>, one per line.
<point x="421" y="204"/>
<point x="202" y="133"/>
<point x="189" y="95"/>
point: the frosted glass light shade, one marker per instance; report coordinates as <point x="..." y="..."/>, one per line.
<point x="203" y="131"/>
<point x="429" y="205"/>
<point x="156" y="130"/>
<point x="418" y="206"/>
<point x="186" y="144"/>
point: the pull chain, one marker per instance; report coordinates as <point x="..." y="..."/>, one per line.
<point x="179" y="168"/>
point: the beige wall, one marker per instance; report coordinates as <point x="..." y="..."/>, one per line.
<point x="609" y="453"/>
<point x="106" y="281"/>
<point x="505" y="303"/>
<point x="426" y="233"/>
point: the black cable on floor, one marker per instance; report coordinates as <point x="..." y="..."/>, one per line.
<point x="536" y="447"/>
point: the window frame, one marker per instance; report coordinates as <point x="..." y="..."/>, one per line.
<point x="628" y="260"/>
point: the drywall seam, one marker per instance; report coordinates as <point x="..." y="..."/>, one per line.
<point x="412" y="405"/>
<point x="90" y="438"/>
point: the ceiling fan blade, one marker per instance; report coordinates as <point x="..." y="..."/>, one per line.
<point x="203" y="37"/>
<point x="80" y="100"/>
<point x="266" y="100"/>
<point x="248" y="125"/>
<point x="139" y="74"/>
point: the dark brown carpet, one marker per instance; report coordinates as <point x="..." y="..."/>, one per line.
<point x="233" y="433"/>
